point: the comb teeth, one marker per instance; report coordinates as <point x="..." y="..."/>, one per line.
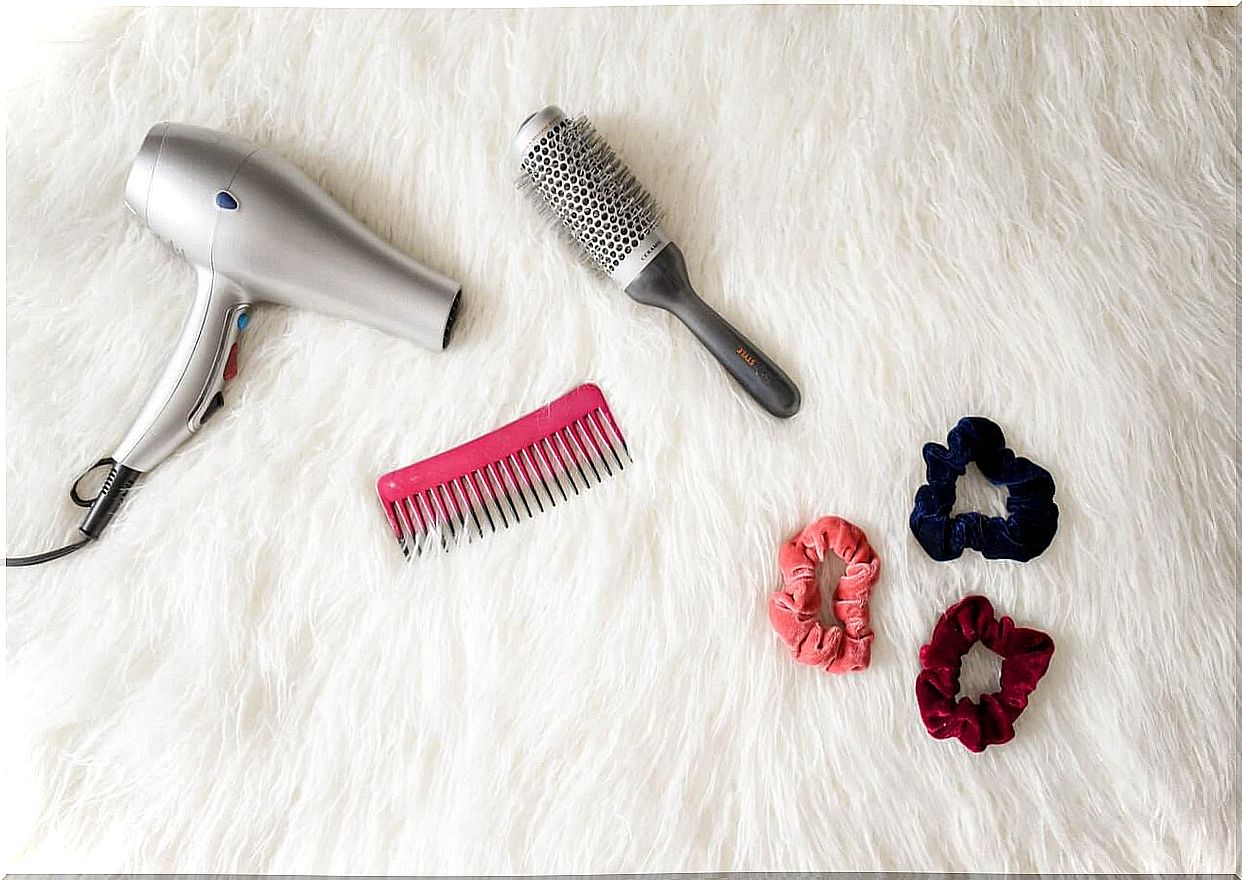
<point x="505" y="477"/>
<point x="579" y="183"/>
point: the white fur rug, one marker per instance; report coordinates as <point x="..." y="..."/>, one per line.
<point x="921" y="213"/>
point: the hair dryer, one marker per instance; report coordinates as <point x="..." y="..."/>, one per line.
<point x="257" y="230"/>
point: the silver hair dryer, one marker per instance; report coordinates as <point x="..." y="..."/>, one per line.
<point x="257" y="230"/>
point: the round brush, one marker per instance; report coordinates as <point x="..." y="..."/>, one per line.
<point x="580" y="183"/>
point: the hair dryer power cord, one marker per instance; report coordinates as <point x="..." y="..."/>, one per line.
<point x="100" y="510"/>
<point x="39" y="558"/>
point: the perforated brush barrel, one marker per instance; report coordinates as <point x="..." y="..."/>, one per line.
<point x="589" y="192"/>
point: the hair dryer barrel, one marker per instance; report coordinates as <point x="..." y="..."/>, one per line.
<point x="243" y="212"/>
<point x="288" y="242"/>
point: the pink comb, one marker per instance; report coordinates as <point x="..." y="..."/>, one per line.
<point x="492" y="481"/>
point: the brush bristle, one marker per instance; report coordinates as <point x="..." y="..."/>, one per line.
<point x="578" y="182"/>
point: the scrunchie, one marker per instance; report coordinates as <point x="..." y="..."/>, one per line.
<point x="1026" y="654"/>
<point x="794" y="608"/>
<point x="1032" y="520"/>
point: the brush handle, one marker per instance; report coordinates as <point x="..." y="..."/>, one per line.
<point x="665" y="283"/>
<point x="750" y="367"/>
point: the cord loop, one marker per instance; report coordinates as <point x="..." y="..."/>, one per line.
<point x="73" y="490"/>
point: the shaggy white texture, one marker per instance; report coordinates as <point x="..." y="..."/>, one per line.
<point x="922" y="214"/>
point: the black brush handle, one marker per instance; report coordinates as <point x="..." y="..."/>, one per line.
<point x="665" y="283"/>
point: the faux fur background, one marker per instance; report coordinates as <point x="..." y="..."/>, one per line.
<point x="921" y="213"/>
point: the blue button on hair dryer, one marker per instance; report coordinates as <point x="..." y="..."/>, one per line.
<point x="257" y="230"/>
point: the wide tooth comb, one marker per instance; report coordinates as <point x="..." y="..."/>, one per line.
<point x="507" y="476"/>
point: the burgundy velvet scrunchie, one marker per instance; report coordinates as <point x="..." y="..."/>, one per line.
<point x="794" y="607"/>
<point x="1026" y="654"/>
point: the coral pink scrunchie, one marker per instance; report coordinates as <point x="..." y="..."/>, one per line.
<point x="794" y="608"/>
<point x="1025" y="652"/>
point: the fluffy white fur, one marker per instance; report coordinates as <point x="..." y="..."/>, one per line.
<point x="922" y="213"/>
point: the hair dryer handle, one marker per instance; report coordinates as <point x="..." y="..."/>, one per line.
<point x="189" y="390"/>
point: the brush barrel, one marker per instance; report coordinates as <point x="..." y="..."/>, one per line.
<point x="590" y="192"/>
<point x="533" y="128"/>
<point x="665" y="283"/>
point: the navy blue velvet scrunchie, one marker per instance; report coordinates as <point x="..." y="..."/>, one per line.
<point x="1022" y="535"/>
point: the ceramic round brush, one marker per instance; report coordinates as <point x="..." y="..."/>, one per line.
<point x="578" y="180"/>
